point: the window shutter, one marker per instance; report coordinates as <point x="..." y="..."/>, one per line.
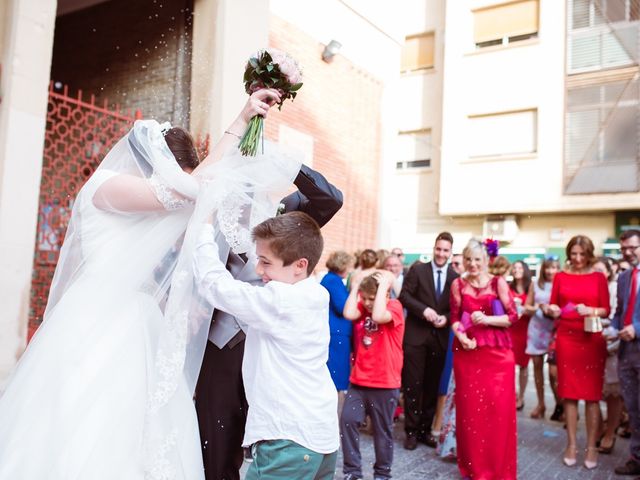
<point x="414" y="149"/>
<point x="418" y="52"/>
<point x="506" y="20"/>
<point x="511" y="133"/>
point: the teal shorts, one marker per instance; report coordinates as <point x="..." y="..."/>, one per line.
<point x="284" y="459"/>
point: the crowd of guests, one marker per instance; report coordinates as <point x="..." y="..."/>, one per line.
<point x="448" y="338"/>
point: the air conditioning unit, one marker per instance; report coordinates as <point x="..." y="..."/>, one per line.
<point x="503" y="228"/>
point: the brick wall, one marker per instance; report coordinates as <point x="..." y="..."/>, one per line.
<point x="134" y="53"/>
<point x="339" y="105"/>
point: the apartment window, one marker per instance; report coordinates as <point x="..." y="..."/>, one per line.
<point x="602" y="124"/>
<point x="414" y="150"/>
<point x="503" y="134"/>
<point x="589" y="13"/>
<point x="603" y="34"/>
<point x="602" y="48"/>
<point x="505" y="23"/>
<point x="418" y="52"/>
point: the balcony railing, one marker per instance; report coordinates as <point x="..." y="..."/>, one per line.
<point x="602" y="118"/>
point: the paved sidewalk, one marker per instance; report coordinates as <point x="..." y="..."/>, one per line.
<point x="540" y="447"/>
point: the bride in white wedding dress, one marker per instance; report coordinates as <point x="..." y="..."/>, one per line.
<point x="104" y="390"/>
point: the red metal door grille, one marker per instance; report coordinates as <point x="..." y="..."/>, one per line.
<point x="78" y="135"/>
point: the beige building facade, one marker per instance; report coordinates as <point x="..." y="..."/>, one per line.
<point x="526" y="110"/>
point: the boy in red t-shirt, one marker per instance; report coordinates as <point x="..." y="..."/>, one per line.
<point x="375" y="378"/>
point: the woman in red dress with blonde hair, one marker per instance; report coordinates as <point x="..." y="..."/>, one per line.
<point x="482" y="310"/>
<point x="577" y="293"/>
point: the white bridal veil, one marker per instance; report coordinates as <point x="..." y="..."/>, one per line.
<point x="236" y="194"/>
<point x="107" y="382"/>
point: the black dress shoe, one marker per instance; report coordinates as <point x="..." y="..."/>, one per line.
<point x="429" y="441"/>
<point x="410" y="442"/>
<point x="630" y="468"/>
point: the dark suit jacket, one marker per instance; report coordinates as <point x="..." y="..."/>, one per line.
<point x="624" y="292"/>
<point x="419" y="292"/>
<point x="315" y="196"/>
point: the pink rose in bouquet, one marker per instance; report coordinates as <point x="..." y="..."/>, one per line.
<point x="268" y="68"/>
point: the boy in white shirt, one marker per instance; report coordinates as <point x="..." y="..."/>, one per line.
<point x="292" y="421"/>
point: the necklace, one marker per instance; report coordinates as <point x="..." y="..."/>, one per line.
<point x="583" y="271"/>
<point x="476" y="284"/>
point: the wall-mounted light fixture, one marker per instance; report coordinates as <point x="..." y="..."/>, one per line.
<point x="331" y="50"/>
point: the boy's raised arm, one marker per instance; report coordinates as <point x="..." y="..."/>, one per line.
<point x="351" y="311"/>
<point x="380" y="313"/>
<point x="242" y="300"/>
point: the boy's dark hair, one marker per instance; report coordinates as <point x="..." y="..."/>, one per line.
<point x="292" y="236"/>
<point x="444" y="236"/>
<point x="369" y="285"/>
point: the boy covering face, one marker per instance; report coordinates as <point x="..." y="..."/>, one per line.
<point x="375" y="378"/>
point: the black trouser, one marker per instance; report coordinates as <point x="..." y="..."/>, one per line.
<point x="222" y="411"/>
<point x="629" y="373"/>
<point x="421" y="372"/>
<point x="379" y="404"/>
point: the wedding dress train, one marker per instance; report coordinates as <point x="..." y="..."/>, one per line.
<point x="105" y="389"/>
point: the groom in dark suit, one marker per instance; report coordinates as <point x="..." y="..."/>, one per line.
<point x="220" y="399"/>
<point x="627" y="321"/>
<point x="425" y="295"/>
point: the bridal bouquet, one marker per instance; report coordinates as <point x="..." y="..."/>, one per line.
<point x="268" y="68"/>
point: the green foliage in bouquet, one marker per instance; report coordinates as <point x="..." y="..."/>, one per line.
<point x="262" y="71"/>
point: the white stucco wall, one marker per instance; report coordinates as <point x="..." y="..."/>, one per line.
<point x="224" y="36"/>
<point x="527" y="74"/>
<point x="411" y="210"/>
<point x="27" y="31"/>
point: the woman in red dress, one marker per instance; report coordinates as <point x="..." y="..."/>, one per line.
<point x="484" y="370"/>
<point x="520" y="290"/>
<point x="577" y="293"/>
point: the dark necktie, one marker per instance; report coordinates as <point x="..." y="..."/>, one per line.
<point x="439" y="284"/>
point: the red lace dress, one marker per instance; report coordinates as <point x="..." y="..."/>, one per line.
<point x="580" y="355"/>
<point x="519" y="333"/>
<point x="485" y="385"/>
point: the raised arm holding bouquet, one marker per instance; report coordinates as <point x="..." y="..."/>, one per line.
<point x="268" y="69"/>
<point x="220" y="395"/>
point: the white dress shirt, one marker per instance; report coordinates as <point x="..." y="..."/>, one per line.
<point x="443" y="276"/>
<point x="397" y="285"/>
<point x="286" y="379"/>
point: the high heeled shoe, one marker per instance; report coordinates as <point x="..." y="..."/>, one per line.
<point x="538" y="412"/>
<point x="558" y="413"/>
<point x="606" y="450"/>
<point x="588" y="464"/>
<point x="568" y="461"/>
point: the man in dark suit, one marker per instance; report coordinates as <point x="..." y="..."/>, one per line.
<point x="627" y="321"/>
<point x="425" y="295"/>
<point x="220" y="399"/>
